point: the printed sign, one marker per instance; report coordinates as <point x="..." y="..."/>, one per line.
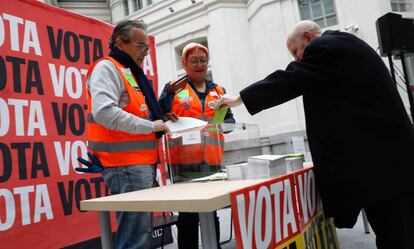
<point x="284" y="212"/>
<point x="44" y="58"/>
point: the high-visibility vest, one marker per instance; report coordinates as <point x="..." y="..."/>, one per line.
<point x="187" y="104"/>
<point x="117" y="148"/>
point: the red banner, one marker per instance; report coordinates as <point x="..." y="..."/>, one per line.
<point x="44" y="55"/>
<point x="284" y="212"/>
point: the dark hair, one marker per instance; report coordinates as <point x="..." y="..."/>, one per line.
<point x="123" y="30"/>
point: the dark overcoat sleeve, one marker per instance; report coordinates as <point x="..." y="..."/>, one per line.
<point x="300" y="77"/>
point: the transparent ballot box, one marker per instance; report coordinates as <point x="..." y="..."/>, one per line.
<point x="195" y="154"/>
<point x="200" y="154"/>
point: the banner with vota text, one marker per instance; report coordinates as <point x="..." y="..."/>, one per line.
<point x="45" y="53"/>
<point x="283" y="213"/>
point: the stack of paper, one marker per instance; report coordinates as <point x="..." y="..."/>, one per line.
<point x="236" y="171"/>
<point x="294" y="163"/>
<point x="265" y="166"/>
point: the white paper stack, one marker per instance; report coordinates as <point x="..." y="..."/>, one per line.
<point x="265" y="166"/>
<point x="294" y="163"/>
<point x="236" y="171"/>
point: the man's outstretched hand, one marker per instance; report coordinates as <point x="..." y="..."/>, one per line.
<point x="227" y="101"/>
<point x="94" y="166"/>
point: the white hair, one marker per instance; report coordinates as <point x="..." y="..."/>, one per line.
<point x="304" y="26"/>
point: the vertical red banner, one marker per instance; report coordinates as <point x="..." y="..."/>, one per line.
<point x="45" y="53"/>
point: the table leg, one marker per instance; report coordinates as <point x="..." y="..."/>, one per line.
<point x="106" y="233"/>
<point x="208" y="230"/>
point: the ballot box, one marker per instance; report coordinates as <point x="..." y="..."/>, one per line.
<point x="195" y="154"/>
<point x="211" y="152"/>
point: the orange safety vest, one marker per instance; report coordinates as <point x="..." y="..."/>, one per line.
<point x="187" y="104"/>
<point x="117" y="148"/>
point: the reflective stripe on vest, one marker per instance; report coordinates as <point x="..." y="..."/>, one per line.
<point x="117" y="148"/>
<point x="123" y="146"/>
<point x="90" y="119"/>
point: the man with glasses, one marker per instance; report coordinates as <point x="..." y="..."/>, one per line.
<point x="124" y="119"/>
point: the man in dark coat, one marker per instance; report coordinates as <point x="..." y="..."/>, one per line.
<point x="360" y="136"/>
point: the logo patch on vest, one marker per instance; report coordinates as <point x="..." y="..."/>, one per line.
<point x="185" y="100"/>
<point x="214" y="94"/>
<point x="212" y="104"/>
<point x="128" y="75"/>
<point x="183" y="94"/>
<point x="143" y="107"/>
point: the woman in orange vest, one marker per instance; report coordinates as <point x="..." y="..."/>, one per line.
<point x="194" y="97"/>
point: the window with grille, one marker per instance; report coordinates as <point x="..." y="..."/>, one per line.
<point x="137" y="4"/>
<point x="401" y="5"/>
<point x="126" y="8"/>
<point x="82" y="1"/>
<point x="131" y="6"/>
<point x="322" y="12"/>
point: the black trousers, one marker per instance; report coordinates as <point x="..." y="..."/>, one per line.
<point x="393" y="222"/>
<point x="188" y="230"/>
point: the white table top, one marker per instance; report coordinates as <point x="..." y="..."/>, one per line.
<point x="183" y="197"/>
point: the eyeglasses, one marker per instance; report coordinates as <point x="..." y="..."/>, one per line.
<point x="196" y="62"/>
<point x="142" y="47"/>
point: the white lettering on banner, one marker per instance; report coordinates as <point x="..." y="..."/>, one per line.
<point x="42" y="205"/>
<point x="263" y="195"/>
<point x="4" y="118"/>
<point x="14" y="21"/>
<point x="35" y="119"/>
<point x="311" y="192"/>
<point x="18" y="113"/>
<point x="281" y="206"/>
<point x="36" y="113"/>
<point x="69" y="77"/>
<point x="30" y="37"/>
<point x="69" y="154"/>
<point x="307" y="194"/>
<point x="24" y="200"/>
<point x="9" y="209"/>
<point x="302" y="198"/>
<point x="2" y="33"/>
<point x="246" y="230"/>
<point x="275" y="189"/>
<point x="289" y="217"/>
<point x="147" y="66"/>
<point x="287" y="212"/>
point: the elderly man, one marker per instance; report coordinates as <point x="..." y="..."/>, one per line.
<point x="360" y="136"/>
